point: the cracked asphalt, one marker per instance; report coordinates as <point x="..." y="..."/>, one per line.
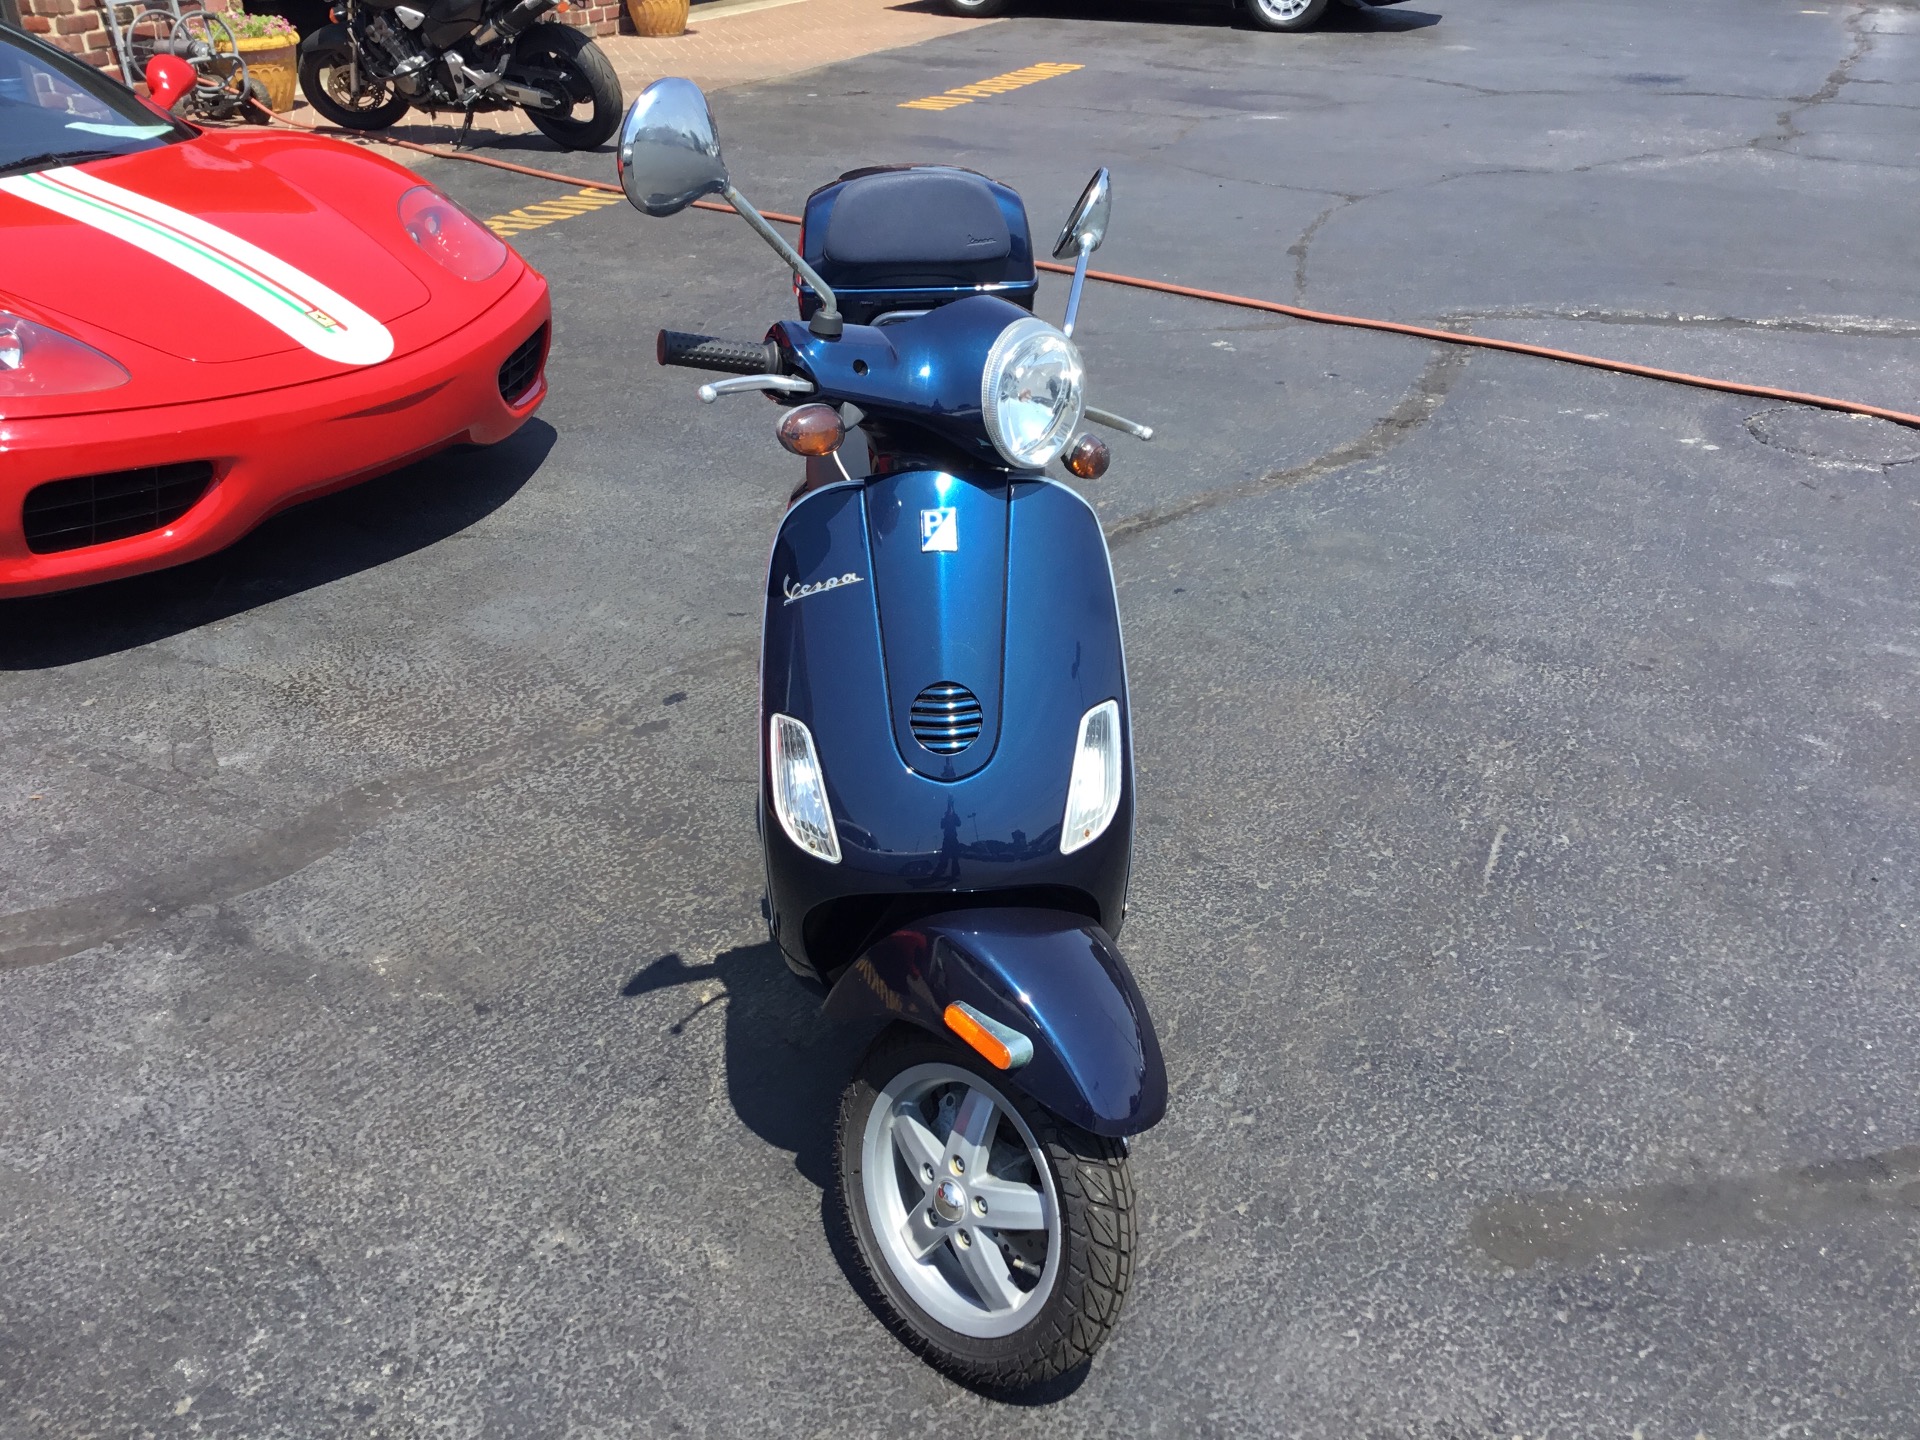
<point x="1525" y="882"/>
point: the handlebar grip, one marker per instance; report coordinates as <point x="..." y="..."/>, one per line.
<point x="708" y="352"/>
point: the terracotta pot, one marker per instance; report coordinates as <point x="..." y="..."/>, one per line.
<point x="658" y="17"/>
<point x="274" y="61"/>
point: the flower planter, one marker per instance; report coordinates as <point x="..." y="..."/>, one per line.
<point x="658" y="17"/>
<point x="274" y="61"/>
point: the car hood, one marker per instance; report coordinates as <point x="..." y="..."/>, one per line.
<point x="106" y="243"/>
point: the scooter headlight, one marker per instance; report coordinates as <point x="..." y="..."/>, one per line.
<point x="1032" y="392"/>
<point x="1093" y="794"/>
<point x="799" y="789"/>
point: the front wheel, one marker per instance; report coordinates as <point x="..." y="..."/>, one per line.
<point x="566" y="62"/>
<point x="1288" y="15"/>
<point x="998" y="1237"/>
<point x="324" y="80"/>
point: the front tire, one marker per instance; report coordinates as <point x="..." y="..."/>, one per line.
<point x="997" y="1237"/>
<point x="1291" y="16"/>
<point x="564" y="58"/>
<point x="323" y="80"/>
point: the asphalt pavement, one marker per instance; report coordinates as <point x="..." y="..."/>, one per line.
<point x="1529" y="808"/>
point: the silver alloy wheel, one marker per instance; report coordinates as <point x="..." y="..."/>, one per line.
<point x="961" y="1199"/>
<point x="1284" y="10"/>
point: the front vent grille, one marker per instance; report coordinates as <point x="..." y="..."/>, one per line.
<point x="520" y="371"/>
<point x="93" y="509"/>
<point x="945" y="718"/>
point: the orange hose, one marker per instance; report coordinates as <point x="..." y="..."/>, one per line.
<point x="1487" y="342"/>
<point x="1248" y="302"/>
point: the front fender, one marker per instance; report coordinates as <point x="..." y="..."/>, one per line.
<point x="326" y="40"/>
<point x="1055" y="977"/>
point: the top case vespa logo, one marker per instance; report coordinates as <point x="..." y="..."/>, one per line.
<point x="940" y="529"/>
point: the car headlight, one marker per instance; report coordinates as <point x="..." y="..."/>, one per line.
<point x="1093" y="794"/>
<point x="455" y="240"/>
<point x="1032" y="392"/>
<point x="36" y="359"/>
<point x="799" y="789"/>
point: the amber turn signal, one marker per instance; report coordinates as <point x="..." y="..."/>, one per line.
<point x="1088" y="457"/>
<point x="814" y="430"/>
<point x="1001" y="1046"/>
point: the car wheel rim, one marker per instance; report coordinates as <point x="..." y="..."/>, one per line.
<point x="1284" y="9"/>
<point x="961" y="1200"/>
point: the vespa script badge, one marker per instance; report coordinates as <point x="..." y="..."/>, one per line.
<point x="832" y="582"/>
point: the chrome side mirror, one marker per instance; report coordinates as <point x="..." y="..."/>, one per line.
<point x="670" y="157"/>
<point x="1086" y="227"/>
<point x="669" y="150"/>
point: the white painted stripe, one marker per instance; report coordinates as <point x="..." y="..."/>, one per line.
<point x="293" y="302"/>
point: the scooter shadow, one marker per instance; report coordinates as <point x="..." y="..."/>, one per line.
<point x="786" y="1066"/>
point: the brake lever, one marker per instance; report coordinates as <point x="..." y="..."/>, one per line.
<point x="1118" y="422"/>
<point x="785" y="384"/>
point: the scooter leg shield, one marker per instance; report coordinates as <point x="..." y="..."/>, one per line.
<point x="1054" y="977"/>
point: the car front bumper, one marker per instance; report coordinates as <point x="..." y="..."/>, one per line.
<point x="271" y="449"/>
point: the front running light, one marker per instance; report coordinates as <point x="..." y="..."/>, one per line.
<point x="1093" y="794"/>
<point x="799" y="790"/>
<point x="1032" y="392"/>
<point x="453" y="238"/>
<point x="38" y="360"/>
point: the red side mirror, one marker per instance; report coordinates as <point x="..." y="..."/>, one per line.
<point x="168" y="78"/>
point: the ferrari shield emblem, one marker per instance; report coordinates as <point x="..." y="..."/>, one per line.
<point x="940" y="529"/>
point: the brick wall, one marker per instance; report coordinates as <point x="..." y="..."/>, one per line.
<point x="80" y="26"/>
<point x="598" y="18"/>
<point x="68" y="25"/>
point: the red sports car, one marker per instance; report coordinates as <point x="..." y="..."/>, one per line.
<point x="199" y="328"/>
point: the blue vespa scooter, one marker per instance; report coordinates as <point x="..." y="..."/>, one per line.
<point x="946" y="798"/>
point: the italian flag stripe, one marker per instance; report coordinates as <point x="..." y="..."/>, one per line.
<point x="238" y="268"/>
<point x="293" y="302"/>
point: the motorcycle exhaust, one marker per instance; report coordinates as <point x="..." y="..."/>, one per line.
<point x="525" y="95"/>
<point x="513" y="22"/>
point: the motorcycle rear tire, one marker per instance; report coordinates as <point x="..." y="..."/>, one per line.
<point x="589" y="77"/>
<point x="1084" y="1275"/>
<point x="315" y="69"/>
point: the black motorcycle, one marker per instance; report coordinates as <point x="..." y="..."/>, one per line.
<point x="382" y="58"/>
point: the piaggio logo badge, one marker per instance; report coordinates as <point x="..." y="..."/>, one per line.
<point x="940" y="529"/>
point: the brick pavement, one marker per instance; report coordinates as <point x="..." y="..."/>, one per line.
<point x="740" y="45"/>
